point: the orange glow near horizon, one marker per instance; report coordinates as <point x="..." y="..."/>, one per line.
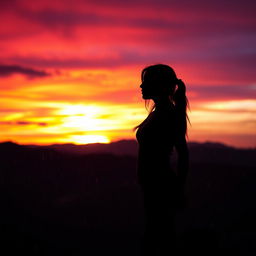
<point x="62" y="110"/>
<point x="87" y="139"/>
<point x="71" y="111"/>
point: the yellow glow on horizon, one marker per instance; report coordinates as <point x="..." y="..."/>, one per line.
<point x="232" y="105"/>
<point x="77" y="106"/>
<point x="86" y="139"/>
<point x="98" y="117"/>
<point x="79" y="109"/>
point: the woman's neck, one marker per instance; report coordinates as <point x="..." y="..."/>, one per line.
<point x="162" y="103"/>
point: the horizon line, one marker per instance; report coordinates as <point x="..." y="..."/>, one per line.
<point x="116" y="141"/>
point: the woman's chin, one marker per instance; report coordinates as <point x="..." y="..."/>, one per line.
<point x="146" y="97"/>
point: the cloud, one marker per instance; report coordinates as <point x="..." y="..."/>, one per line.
<point x="177" y="18"/>
<point x="23" y="123"/>
<point x="224" y="92"/>
<point x="29" y="123"/>
<point x="209" y="68"/>
<point x="7" y="70"/>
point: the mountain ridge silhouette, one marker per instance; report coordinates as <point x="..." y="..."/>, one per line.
<point x="207" y="152"/>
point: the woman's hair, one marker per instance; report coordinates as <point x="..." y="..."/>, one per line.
<point x="164" y="77"/>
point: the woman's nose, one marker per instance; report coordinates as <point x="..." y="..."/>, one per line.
<point x="141" y="85"/>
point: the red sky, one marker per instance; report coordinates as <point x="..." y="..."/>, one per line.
<point x="70" y="70"/>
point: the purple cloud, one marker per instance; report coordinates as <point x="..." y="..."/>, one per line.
<point x="7" y="70"/>
<point x="224" y="92"/>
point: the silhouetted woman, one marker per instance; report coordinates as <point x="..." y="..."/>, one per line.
<point x="164" y="129"/>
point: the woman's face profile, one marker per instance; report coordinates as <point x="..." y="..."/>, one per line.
<point x="147" y="90"/>
<point x="149" y="87"/>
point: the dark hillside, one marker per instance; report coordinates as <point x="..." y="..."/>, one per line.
<point x="55" y="202"/>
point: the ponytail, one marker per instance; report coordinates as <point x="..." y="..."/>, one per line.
<point x="181" y="105"/>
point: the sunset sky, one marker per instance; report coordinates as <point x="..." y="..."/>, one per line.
<point x="70" y="70"/>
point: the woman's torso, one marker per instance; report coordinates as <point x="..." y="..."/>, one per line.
<point x="155" y="137"/>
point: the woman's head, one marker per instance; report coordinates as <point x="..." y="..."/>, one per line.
<point x="158" y="80"/>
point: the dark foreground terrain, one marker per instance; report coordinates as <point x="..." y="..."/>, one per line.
<point x="84" y="200"/>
